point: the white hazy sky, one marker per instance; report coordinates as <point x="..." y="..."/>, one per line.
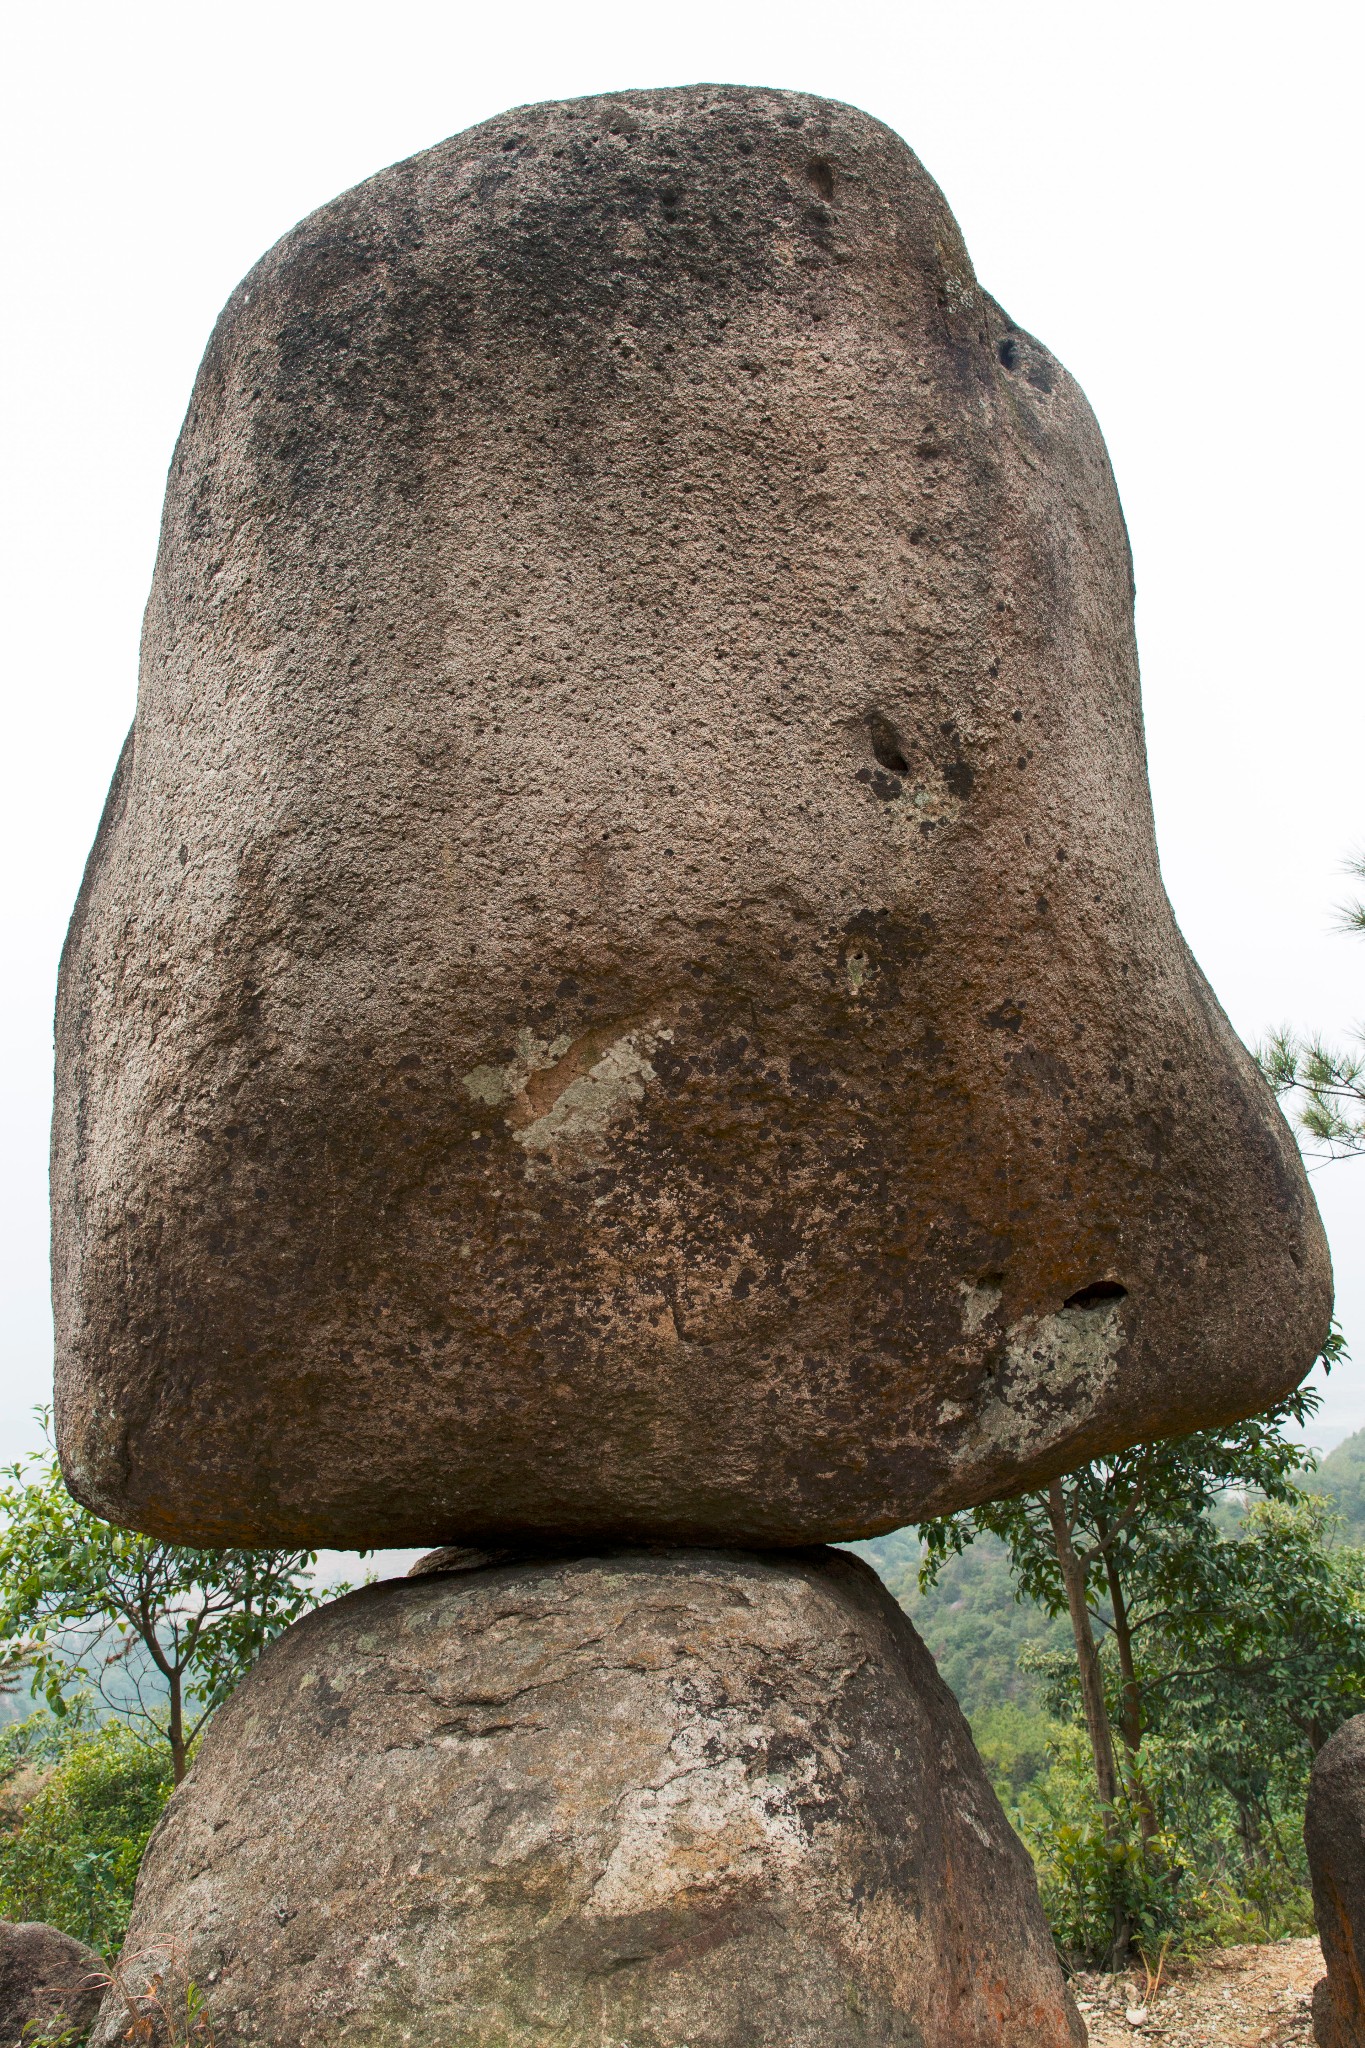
<point x="1168" y="194"/>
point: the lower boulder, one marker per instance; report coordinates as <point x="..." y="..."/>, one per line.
<point x="658" y="1798"/>
<point x="1335" y="1835"/>
<point x="49" y="1982"/>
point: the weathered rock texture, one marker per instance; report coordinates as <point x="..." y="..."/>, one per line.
<point x="1335" y="1834"/>
<point x="47" y="1980"/>
<point x="624" y="983"/>
<point x="675" y="1798"/>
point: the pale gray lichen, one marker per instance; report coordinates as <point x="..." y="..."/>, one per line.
<point x="581" y="1114"/>
<point x="1054" y="1367"/>
<point x="531" y="1055"/>
<point x="577" y="1114"/>
<point x="980" y="1299"/>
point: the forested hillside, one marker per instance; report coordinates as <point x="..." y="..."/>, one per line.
<point x="976" y="1630"/>
<point x="970" y="1620"/>
<point x="975" y="1626"/>
<point x="1341" y="1477"/>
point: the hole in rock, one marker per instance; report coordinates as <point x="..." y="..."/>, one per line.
<point x="886" y="744"/>
<point x="1008" y="352"/>
<point x="821" y="175"/>
<point x="1096" y="1294"/>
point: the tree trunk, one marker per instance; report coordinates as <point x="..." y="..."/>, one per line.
<point x="1130" y="1710"/>
<point x="1249" y="1828"/>
<point x="1130" y="1717"/>
<point x="1092" y="1695"/>
<point x="1087" y="1656"/>
<point x="176" y="1729"/>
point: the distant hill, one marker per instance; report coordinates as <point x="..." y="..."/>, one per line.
<point x="970" y="1620"/>
<point x="1341" y="1475"/>
<point x="975" y="1629"/>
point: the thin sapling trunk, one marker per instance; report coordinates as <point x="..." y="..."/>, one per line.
<point x="1130" y="1716"/>
<point x="1092" y="1693"/>
<point x="1087" y="1654"/>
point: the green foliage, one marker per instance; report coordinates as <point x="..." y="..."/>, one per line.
<point x="1325" y="1087"/>
<point x="163" y="1632"/>
<point x="1260" y="1659"/>
<point x="1264" y="1657"/>
<point x="1217" y="1857"/>
<point x="105" y="1621"/>
<point x="1119" y="1546"/>
<point x="1018" y="1742"/>
<point x="1206" y="1654"/>
<point x="974" y="1618"/>
<point x="70" y="1853"/>
<point x="1352" y="915"/>
<point x="1183" y="1885"/>
<point x="1092" y="1873"/>
<point x="1322" y="1085"/>
<point x="161" y="2002"/>
<point x="1240" y="1686"/>
<point x="1340" y="1479"/>
<point x="1130" y="1514"/>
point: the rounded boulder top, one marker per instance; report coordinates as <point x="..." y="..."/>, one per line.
<point x="624" y="985"/>
<point x="648" y="1798"/>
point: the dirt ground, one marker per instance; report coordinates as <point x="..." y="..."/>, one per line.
<point x="1231" y="1998"/>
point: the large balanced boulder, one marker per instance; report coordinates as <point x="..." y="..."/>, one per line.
<point x="50" y="1983"/>
<point x="1335" y="1835"/>
<point x="624" y="983"/>
<point x="687" y="1797"/>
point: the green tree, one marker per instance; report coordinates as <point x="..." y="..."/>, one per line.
<point x="1242" y="1679"/>
<point x="1322" y="1085"/>
<point x="1107" y="1545"/>
<point x="72" y="1855"/>
<point x="163" y="1633"/>
<point x="1263" y="1658"/>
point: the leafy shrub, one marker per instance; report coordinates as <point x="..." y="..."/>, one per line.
<point x="1188" y="1883"/>
<point x="71" y="1853"/>
<point x="1017" y="1740"/>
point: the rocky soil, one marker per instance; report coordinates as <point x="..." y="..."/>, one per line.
<point x="1231" y="1998"/>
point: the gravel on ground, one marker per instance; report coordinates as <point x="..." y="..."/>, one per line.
<point x="1229" y="1998"/>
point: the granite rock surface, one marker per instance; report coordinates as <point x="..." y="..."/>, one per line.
<point x="624" y="984"/>
<point x="1335" y="1834"/>
<point x="668" y="1798"/>
<point x="48" y="1981"/>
